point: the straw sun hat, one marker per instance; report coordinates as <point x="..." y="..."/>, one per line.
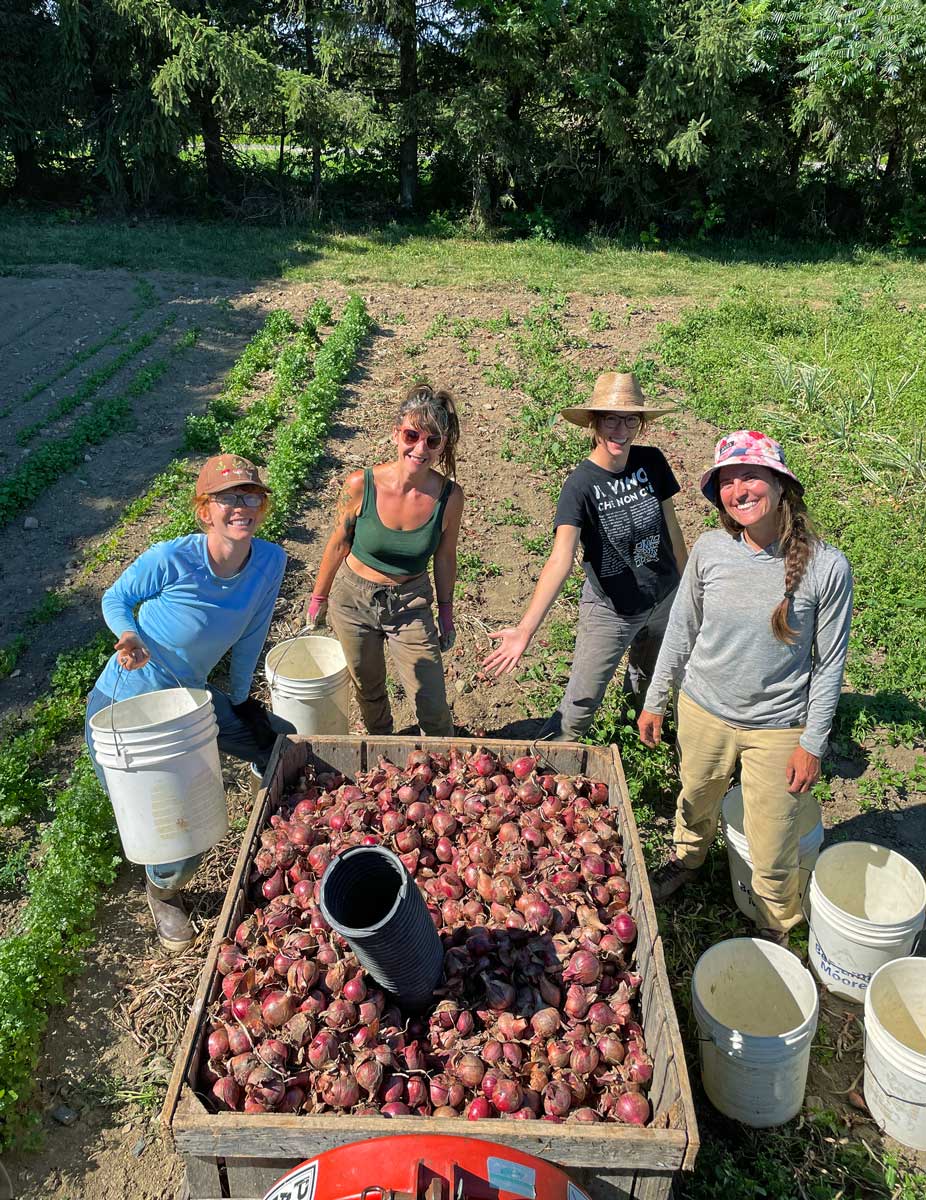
<point x="615" y="393"/>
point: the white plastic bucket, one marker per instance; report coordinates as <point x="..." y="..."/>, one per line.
<point x="309" y="684"/>
<point x="866" y="906"/>
<point x="810" y="829"/>
<point x="895" y="1050"/>
<point x="160" y="758"/>
<point x="756" y="1009"/>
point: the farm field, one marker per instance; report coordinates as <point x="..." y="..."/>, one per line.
<point x="101" y="369"/>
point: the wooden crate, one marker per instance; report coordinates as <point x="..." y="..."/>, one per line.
<point x="235" y="1155"/>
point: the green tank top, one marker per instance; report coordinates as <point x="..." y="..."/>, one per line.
<point x="396" y="551"/>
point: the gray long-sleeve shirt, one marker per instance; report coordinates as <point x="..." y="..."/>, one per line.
<point x="719" y="643"/>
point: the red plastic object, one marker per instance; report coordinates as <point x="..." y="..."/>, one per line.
<point x="425" y="1167"/>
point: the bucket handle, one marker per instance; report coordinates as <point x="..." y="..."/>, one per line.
<point x="890" y="1095"/>
<point x="276" y="666"/>
<point x="112" y="703"/>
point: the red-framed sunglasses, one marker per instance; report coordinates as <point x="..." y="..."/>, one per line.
<point x="411" y="436"/>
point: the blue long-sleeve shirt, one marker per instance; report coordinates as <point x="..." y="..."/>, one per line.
<point x="190" y="617"/>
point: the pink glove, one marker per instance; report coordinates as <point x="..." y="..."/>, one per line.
<point x="448" y="635"/>
<point x="316" y="613"/>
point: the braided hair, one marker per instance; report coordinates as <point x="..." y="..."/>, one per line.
<point x="797" y="543"/>
<point x="434" y="411"/>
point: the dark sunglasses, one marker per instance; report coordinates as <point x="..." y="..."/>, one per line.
<point x="239" y="499"/>
<point x="411" y="436"/>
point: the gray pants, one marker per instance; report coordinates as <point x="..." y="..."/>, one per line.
<point x="235" y="738"/>
<point x="602" y="639"/>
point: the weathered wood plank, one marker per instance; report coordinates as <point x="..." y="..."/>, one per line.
<point x="284" y="1136"/>
<point x="202" y="1178"/>
<point x="606" y="1185"/>
<point x="248" y="1177"/>
<point x="653" y="1185"/>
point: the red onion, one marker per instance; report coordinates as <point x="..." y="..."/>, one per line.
<point x="633" y="1109"/>
<point x="342" y="1092"/>
<point x="479" y="1109"/>
<point x="227" y="1093"/>
<point x="323" y="1049"/>
<point x="395" y="1109"/>
<point x="522" y="767"/>
<point x="611" y="1049"/>
<point x="546" y="1022"/>
<point x="625" y="928"/>
<point x="557" y="1099"/>
<point x="577" y="1003"/>
<point x="508" y="1096"/>
<point x="584" y="967"/>
<point x="217" y="1044"/>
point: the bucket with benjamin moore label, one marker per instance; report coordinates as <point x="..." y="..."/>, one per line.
<point x="866" y="906"/>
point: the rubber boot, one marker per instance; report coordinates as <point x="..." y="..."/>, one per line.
<point x="171" y="923"/>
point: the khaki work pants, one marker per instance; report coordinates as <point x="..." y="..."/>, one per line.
<point x="366" y="617"/>
<point x="708" y="751"/>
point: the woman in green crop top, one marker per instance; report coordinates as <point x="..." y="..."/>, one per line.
<point x="391" y="520"/>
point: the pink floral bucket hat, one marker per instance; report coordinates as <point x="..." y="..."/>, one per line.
<point x="745" y="446"/>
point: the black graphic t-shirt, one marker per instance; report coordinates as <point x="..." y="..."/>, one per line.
<point x="628" y="555"/>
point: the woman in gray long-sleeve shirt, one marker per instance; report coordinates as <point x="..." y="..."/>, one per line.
<point x="757" y="641"/>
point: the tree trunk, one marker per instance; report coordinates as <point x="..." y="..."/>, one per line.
<point x="407" y="36"/>
<point x="28" y="176"/>
<point x="217" y="180"/>
<point x="312" y="71"/>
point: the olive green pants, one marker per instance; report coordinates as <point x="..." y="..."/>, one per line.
<point x="708" y="752"/>
<point x="367" y="617"/>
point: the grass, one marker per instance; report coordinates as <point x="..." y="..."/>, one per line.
<point x="817" y="1156"/>
<point x="409" y="255"/>
<point x="840" y="386"/>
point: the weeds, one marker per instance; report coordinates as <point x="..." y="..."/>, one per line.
<point x="508" y="513"/>
<point x="472" y="571"/>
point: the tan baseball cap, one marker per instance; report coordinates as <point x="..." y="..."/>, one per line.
<point x="225" y="471"/>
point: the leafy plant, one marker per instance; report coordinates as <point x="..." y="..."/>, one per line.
<point x="77" y="857"/>
<point x="203" y="433"/>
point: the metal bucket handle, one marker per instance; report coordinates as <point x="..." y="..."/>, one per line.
<point x="112" y="703"/>
<point x="292" y="641"/>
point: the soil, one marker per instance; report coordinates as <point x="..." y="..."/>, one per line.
<point x="108" y="1049"/>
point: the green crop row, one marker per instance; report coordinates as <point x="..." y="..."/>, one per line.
<point x="55" y="458"/>
<point x="300" y="444"/>
<point x="247" y="436"/>
<point x="77" y="857"/>
<point x="146" y="298"/>
<point x="92" y="384"/>
<point x="78" y="852"/>
<point x="203" y="432"/>
<point x="177" y="479"/>
<point x="23" y="786"/>
<point x="248" y="433"/>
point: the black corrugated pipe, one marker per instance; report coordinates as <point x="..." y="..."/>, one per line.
<point x="369" y="898"/>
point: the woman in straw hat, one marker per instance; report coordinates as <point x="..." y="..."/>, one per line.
<point x="618" y="504"/>
<point x="177" y="610"/>
<point x="757" y="640"/>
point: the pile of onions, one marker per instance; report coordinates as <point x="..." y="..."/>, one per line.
<point x="534" y="1018"/>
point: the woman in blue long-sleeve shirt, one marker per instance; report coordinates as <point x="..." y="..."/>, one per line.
<point x="176" y="611"/>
